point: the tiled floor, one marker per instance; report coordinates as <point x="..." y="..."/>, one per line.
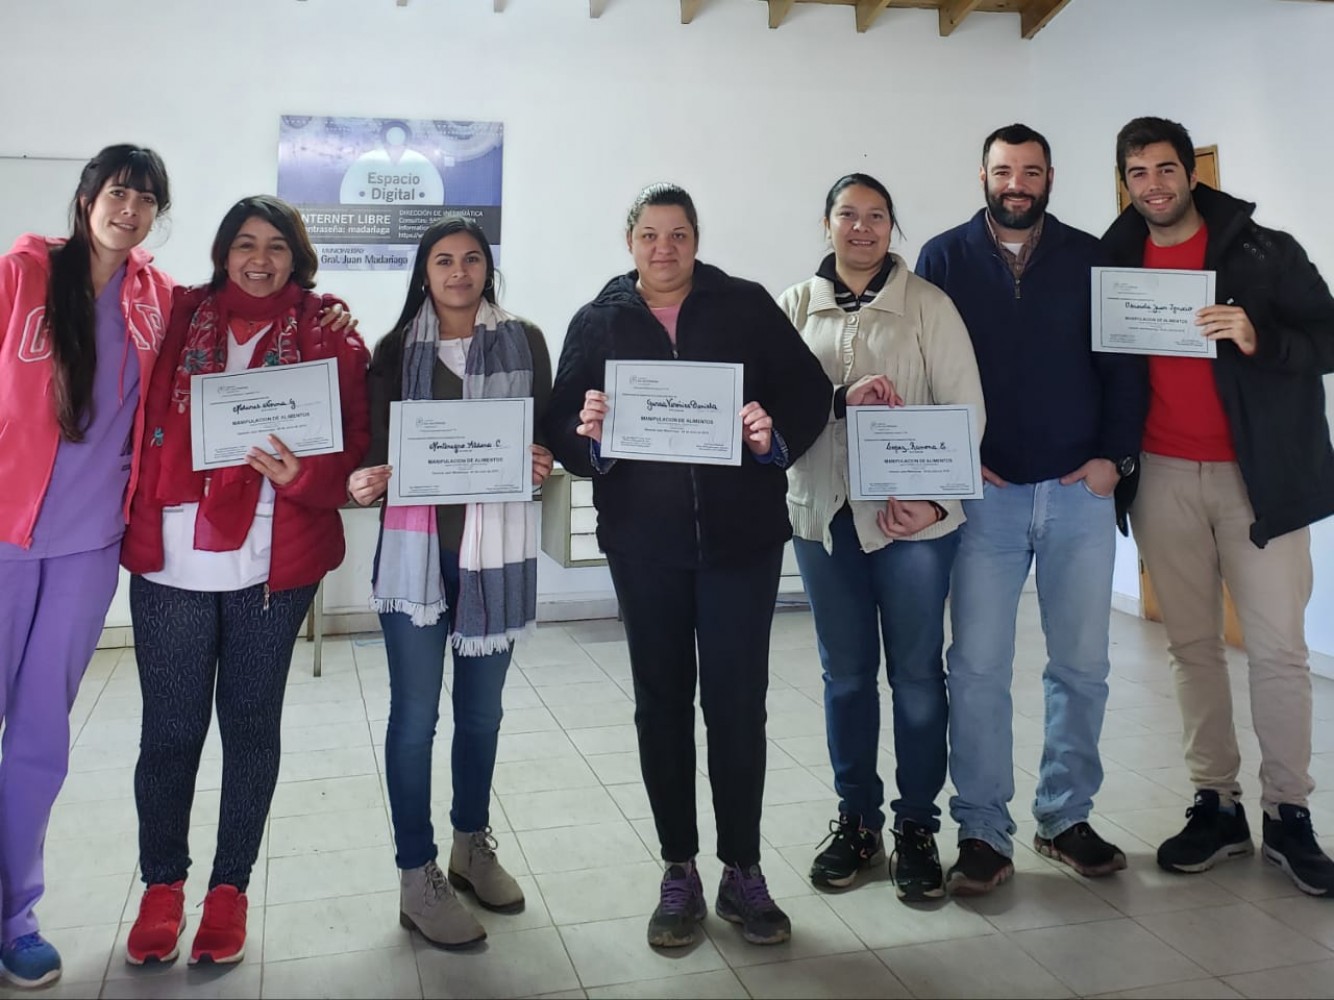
<point x="574" y="825"/>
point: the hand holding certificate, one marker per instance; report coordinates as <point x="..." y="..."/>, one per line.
<point x="673" y="411"/>
<point x="913" y="453"/>
<point x="233" y="412"/>
<point x="1151" y="311"/>
<point x="460" y="451"/>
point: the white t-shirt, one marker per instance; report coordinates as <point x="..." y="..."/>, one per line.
<point x="188" y="568"/>
<point x="454" y="354"/>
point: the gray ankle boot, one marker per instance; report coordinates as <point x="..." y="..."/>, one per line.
<point x="428" y="904"/>
<point x="473" y="867"/>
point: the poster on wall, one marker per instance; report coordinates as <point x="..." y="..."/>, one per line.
<point x="368" y="188"/>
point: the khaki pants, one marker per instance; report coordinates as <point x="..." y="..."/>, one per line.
<point x="1191" y="522"/>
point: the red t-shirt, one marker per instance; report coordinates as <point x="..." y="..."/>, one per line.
<point x="1186" y="418"/>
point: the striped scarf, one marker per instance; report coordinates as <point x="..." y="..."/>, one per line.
<point x="498" y="555"/>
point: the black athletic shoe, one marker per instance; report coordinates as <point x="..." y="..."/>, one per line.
<point x="743" y="898"/>
<point x="915" y="864"/>
<point x="1290" y="843"/>
<point x="1083" y="850"/>
<point x="1211" y="835"/>
<point x="849" y="850"/>
<point x="980" y="869"/>
<point x="681" y="907"/>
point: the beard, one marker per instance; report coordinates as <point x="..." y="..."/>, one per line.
<point x="1010" y="219"/>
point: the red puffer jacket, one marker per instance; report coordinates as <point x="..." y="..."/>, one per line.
<point x="307" y="529"/>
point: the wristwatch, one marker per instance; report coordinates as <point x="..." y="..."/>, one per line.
<point x="1125" y="466"/>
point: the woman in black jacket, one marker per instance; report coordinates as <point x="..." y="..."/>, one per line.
<point x="695" y="551"/>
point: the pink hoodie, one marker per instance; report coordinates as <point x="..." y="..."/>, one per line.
<point x="29" y="432"/>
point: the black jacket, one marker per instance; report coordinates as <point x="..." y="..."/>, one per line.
<point x="1274" y="400"/>
<point x="677" y="514"/>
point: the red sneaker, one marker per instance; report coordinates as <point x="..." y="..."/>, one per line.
<point x="221" y="935"/>
<point x="153" y="938"/>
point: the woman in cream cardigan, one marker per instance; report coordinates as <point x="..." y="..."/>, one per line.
<point x="878" y="570"/>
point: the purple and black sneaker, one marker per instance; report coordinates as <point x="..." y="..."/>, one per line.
<point x="680" y="907"/>
<point x="743" y="898"/>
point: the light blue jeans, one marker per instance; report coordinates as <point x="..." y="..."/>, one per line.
<point x="1072" y="535"/>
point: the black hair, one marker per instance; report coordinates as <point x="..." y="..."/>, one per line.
<point x="70" y="314"/>
<point x="282" y="217"/>
<point x="663" y="194"/>
<point x="1142" y="132"/>
<point x="866" y="181"/>
<point x="1016" y="135"/>
<point x="418" y="291"/>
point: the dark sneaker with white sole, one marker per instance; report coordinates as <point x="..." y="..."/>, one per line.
<point x="1082" y="849"/>
<point x="980" y="869"/>
<point x="681" y="907"/>
<point x="1211" y="835"/>
<point x="849" y="850"/>
<point x="1290" y="843"/>
<point x="915" y="864"/>
<point x="743" y="898"/>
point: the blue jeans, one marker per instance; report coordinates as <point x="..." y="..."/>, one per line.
<point x="1072" y="535"/>
<point x="416" y="674"/>
<point x="858" y="598"/>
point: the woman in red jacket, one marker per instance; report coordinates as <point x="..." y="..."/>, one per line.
<point x="226" y="565"/>
<point x="80" y="324"/>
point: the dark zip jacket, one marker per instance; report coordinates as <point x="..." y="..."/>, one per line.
<point x="1274" y="400"/>
<point x="1052" y="402"/>
<point x="688" y="515"/>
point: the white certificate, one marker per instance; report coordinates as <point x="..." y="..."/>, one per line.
<point x="232" y="412"/>
<point x="673" y="411"/>
<point x="913" y="453"/>
<point x="1144" y="310"/>
<point x="460" y="451"/>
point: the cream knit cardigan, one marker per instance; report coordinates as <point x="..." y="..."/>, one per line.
<point x="910" y="332"/>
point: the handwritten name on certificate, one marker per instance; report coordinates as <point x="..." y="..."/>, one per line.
<point x="673" y="411"/>
<point x="232" y="412"/>
<point x="913" y="453"/>
<point x="1141" y="310"/>
<point x="460" y="451"/>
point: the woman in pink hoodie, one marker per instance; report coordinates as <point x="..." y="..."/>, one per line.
<point x="81" y="321"/>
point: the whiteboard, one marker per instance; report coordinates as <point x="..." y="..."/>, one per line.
<point x="35" y="195"/>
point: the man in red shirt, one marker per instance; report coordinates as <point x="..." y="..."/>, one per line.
<point x="1237" y="463"/>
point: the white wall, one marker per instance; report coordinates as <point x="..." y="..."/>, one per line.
<point x="756" y="123"/>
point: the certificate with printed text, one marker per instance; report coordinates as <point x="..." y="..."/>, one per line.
<point x="673" y="411"/>
<point x="913" y="453"/>
<point x="232" y="412"/>
<point x="1142" y="310"/>
<point x="460" y="451"/>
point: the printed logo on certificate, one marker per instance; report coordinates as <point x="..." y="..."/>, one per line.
<point x="913" y="453"/>
<point x="232" y="412"/>
<point x="1145" y="310"/>
<point x="673" y="411"/>
<point x="460" y="451"/>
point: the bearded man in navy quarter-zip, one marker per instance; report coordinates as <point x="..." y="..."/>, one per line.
<point x="1063" y="429"/>
<point x="1237" y="464"/>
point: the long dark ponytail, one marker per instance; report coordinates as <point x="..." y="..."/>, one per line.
<point x="69" y="293"/>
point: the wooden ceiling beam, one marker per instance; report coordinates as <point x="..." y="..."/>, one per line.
<point x="952" y="13"/>
<point x="778" y="10"/>
<point x="1038" y="14"/>
<point x="689" y="8"/>
<point x="868" y="11"/>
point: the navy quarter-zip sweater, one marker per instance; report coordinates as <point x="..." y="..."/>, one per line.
<point x="1052" y="402"/>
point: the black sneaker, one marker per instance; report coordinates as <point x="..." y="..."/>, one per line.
<point x="851" y="849"/>
<point x="1083" y="850"/>
<point x="1290" y="843"/>
<point x="680" y="907"/>
<point x="980" y="869"/>
<point x="743" y="898"/>
<point x="915" y="864"/>
<point x="1210" y="836"/>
